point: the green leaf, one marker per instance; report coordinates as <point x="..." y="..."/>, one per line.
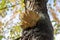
<point x="58" y="25"/>
<point x="54" y="1"/>
<point x="22" y="0"/>
<point x="1" y="37"/>
<point x="2" y="4"/>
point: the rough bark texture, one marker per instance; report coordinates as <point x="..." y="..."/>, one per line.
<point x="43" y="29"/>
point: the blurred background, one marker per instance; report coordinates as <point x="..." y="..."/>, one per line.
<point x="9" y="18"/>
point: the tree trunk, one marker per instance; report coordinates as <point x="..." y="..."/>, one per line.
<point x="43" y="29"/>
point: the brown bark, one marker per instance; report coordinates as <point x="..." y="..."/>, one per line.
<point x="43" y="29"/>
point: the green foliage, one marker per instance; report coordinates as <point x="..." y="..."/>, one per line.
<point x="54" y="1"/>
<point x="56" y="27"/>
<point x="3" y="4"/>
<point x="22" y="1"/>
<point x="1" y="37"/>
<point x="15" y="32"/>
